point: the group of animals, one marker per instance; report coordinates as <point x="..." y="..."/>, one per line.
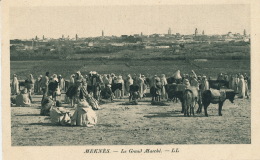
<point x="188" y="97"/>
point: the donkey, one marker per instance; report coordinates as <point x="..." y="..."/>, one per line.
<point x="207" y="98"/>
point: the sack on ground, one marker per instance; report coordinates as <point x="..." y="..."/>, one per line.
<point x="59" y="116"/>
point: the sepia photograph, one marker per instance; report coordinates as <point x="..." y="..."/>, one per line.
<point x="129" y="75"/>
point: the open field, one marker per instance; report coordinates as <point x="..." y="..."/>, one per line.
<point x="143" y="124"/>
<point x="137" y="124"/>
<point x="66" y="68"/>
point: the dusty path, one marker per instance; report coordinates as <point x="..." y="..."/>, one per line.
<point x="136" y="124"/>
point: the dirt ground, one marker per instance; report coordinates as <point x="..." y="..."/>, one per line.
<point x="144" y="124"/>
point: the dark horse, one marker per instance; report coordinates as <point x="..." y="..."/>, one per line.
<point x="207" y="99"/>
<point x="175" y="93"/>
<point x="134" y="92"/>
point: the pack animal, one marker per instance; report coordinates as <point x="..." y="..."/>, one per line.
<point x="216" y="97"/>
<point x="175" y="91"/>
<point x="188" y="102"/>
<point x="134" y="93"/>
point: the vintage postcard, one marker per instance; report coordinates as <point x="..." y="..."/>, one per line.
<point x="130" y="80"/>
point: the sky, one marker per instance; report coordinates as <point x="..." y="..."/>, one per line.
<point x="89" y="21"/>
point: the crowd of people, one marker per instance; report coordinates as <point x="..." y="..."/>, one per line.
<point x="103" y="82"/>
<point x="80" y="88"/>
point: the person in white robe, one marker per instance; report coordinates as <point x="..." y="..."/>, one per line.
<point x="22" y="99"/>
<point x="241" y="87"/>
<point x="235" y="83"/>
<point x="129" y="82"/>
<point x="141" y="85"/>
<point x="84" y="115"/>
<point x="61" y="83"/>
<point x="144" y="86"/>
<point x="15" y="85"/>
<point x="120" y="80"/>
<point x="164" y="83"/>
<point x="204" y="84"/>
<point x="186" y="82"/>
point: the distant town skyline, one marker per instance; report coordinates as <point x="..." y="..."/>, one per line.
<point x="91" y="21"/>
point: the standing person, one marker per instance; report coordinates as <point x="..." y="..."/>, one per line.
<point x="76" y="91"/>
<point x="164" y="83"/>
<point x="158" y="88"/>
<point x="121" y="90"/>
<point x="55" y="77"/>
<point x="145" y="86"/>
<point x="29" y="85"/>
<point x="241" y="87"/>
<point x="39" y="80"/>
<point x="177" y="77"/>
<point x="85" y="82"/>
<point x="44" y="84"/>
<point x="204" y="84"/>
<point x="135" y="79"/>
<point x="61" y="82"/>
<point x="15" y="85"/>
<point x="89" y="83"/>
<point x="106" y="80"/>
<point x="220" y="76"/>
<point x="236" y="81"/>
<point x="78" y="80"/>
<point x="230" y="82"/>
<point x="129" y="82"/>
<point x="36" y="86"/>
<point x="186" y="82"/>
<point x="246" y="91"/>
<point x="153" y="81"/>
<point x="114" y="81"/>
<point x="194" y="82"/>
<point x="110" y="79"/>
<point x="96" y="83"/>
<point x="113" y="77"/>
<point x="199" y="79"/>
<point x="226" y="77"/>
<point x="71" y="83"/>
<point x="141" y="86"/>
<point x="56" y="89"/>
<point x="247" y="79"/>
<point x="72" y="80"/>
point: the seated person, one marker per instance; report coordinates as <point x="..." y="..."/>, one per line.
<point x="46" y="105"/>
<point x="84" y="115"/>
<point x="106" y="93"/>
<point x="23" y="100"/>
